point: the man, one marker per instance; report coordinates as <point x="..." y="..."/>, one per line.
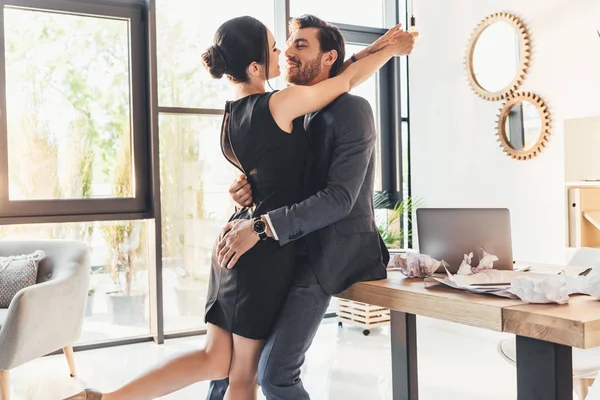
<point x="339" y="242"/>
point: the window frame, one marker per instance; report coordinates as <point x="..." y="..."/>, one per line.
<point x="78" y="210"/>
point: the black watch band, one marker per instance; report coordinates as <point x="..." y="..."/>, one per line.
<point x="353" y="58"/>
<point x="260" y="228"/>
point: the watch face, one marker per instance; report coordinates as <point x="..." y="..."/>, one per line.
<point x="259" y="226"/>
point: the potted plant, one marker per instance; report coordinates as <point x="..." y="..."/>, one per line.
<point x="125" y="305"/>
<point x="390" y="221"/>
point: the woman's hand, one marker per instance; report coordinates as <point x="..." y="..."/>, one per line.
<point x="383" y="41"/>
<point x="402" y="43"/>
<point x="241" y="192"/>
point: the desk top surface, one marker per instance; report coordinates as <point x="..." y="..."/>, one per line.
<point x="575" y="324"/>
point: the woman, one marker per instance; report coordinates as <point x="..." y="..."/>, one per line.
<point x="262" y="135"/>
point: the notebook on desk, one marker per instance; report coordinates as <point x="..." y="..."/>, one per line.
<point x="450" y="233"/>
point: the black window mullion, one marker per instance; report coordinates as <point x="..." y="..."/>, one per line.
<point x="140" y="140"/>
<point x="155" y="276"/>
<point x="391" y="133"/>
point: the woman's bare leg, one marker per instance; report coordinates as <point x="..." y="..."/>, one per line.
<point x="210" y="363"/>
<point x="243" y="373"/>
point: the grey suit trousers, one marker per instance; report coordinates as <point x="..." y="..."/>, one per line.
<point x="286" y="346"/>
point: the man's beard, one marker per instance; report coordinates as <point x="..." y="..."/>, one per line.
<point x="306" y="73"/>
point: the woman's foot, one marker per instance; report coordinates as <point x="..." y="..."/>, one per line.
<point x="87" y="394"/>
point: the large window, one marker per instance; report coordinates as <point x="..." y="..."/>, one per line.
<point x="74" y="133"/>
<point x="67" y="105"/>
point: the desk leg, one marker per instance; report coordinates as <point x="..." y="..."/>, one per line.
<point x="403" y="329"/>
<point x="544" y="370"/>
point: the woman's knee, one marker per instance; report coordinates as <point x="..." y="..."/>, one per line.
<point x="221" y="362"/>
<point x="243" y="381"/>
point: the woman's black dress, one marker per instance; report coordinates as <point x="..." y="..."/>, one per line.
<point x="246" y="299"/>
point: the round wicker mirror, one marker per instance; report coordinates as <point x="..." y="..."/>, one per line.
<point x="498" y="56"/>
<point x="524" y="125"/>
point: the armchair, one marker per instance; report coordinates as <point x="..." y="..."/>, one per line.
<point x="49" y="315"/>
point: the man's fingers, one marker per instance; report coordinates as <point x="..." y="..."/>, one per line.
<point x="223" y="254"/>
<point x="223" y="248"/>
<point x="223" y="242"/>
<point x="233" y="261"/>
<point x="230" y="253"/>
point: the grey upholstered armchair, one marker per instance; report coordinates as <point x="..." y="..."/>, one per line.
<point x="47" y="316"/>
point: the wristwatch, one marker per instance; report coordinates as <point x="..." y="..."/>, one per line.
<point x="260" y="228"/>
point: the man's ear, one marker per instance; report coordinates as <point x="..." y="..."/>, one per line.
<point x="330" y="57"/>
<point x="254" y="69"/>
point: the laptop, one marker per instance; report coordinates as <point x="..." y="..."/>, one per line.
<point x="450" y="233"/>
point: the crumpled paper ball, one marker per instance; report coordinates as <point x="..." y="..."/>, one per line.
<point x="465" y="265"/>
<point x="554" y="289"/>
<point x="415" y="265"/>
<point x="592" y="285"/>
<point x="486" y="261"/>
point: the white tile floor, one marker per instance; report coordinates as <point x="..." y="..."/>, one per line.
<point x="455" y="363"/>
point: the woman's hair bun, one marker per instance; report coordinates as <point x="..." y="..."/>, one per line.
<point x="214" y="62"/>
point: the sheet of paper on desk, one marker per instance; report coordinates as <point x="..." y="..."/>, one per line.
<point x="470" y="282"/>
<point x="529" y="286"/>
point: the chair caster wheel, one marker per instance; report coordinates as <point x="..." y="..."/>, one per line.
<point x="366" y="332"/>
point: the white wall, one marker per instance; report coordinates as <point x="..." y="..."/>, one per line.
<point x="456" y="160"/>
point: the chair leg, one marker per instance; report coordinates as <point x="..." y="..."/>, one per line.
<point x="5" y="384"/>
<point x="70" y="360"/>
<point x="581" y="387"/>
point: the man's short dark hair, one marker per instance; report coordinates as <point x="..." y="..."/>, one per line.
<point x="330" y="38"/>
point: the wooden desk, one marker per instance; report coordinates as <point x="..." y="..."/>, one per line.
<point x="545" y="333"/>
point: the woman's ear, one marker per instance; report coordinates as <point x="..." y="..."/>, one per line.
<point x="254" y="69"/>
<point x="330" y="57"/>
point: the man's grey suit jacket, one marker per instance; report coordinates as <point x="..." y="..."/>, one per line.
<point x="336" y="220"/>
